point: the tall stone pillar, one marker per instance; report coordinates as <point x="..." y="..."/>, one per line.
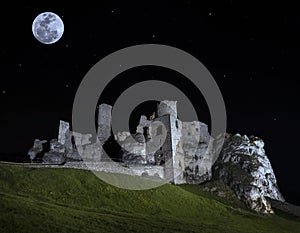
<point x="172" y="148"/>
<point x="63" y="132"/>
<point x="104" y="123"/>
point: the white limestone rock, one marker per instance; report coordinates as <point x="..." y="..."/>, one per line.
<point x="244" y="166"/>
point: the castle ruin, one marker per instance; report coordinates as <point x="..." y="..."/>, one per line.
<point x="166" y="148"/>
<point x="183" y="154"/>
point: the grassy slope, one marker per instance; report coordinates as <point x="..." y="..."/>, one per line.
<point x="67" y="200"/>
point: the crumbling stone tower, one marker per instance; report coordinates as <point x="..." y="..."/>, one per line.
<point x="88" y="150"/>
<point x="171" y="153"/>
<point x="65" y="135"/>
<point x="104" y="122"/>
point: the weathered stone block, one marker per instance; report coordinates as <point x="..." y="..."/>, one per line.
<point x="37" y="148"/>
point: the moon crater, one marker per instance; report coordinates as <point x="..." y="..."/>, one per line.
<point x="47" y="28"/>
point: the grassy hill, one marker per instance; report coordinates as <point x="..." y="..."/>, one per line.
<point x="67" y="200"/>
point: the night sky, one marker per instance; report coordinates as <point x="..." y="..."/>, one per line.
<point x="252" y="51"/>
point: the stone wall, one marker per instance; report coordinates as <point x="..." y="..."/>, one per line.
<point x="112" y="167"/>
<point x="182" y="153"/>
<point x="163" y="156"/>
<point x="177" y="150"/>
<point x="133" y="147"/>
<point x="198" y="159"/>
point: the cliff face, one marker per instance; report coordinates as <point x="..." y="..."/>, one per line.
<point x="245" y="168"/>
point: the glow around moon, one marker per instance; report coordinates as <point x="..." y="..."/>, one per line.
<point x="47" y="28"/>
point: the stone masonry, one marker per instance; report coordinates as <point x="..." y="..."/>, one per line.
<point x="178" y="152"/>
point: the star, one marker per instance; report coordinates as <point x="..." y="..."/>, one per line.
<point x="67" y="45"/>
<point x="20" y="65"/>
<point x="209" y="13"/>
<point x="3" y="92"/>
<point x="224" y="75"/>
<point x="67" y="86"/>
<point x="153" y="36"/>
<point x="275" y="119"/>
<point x="112" y="11"/>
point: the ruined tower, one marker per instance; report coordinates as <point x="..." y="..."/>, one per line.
<point x="64" y="128"/>
<point x="104" y="123"/>
<point x="171" y="151"/>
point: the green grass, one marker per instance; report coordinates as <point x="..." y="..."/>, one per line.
<point x="67" y="200"/>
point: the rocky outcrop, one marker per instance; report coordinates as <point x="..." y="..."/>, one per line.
<point x="245" y="168"/>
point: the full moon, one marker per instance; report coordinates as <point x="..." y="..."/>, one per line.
<point x="47" y="28"/>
